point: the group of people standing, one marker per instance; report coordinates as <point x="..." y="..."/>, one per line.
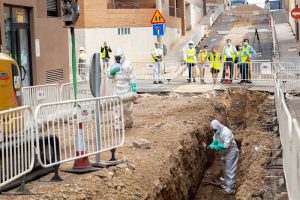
<point x="240" y="54"/>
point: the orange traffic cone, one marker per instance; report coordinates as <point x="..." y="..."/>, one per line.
<point x="81" y="165"/>
<point x="227" y="75"/>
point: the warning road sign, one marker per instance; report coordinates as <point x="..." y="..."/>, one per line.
<point x="296" y="13"/>
<point x="158" y="18"/>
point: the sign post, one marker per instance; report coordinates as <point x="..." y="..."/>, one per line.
<point x="158" y="25"/>
<point x="295" y="13"/>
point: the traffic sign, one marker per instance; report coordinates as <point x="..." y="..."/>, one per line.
<point x="157" y="18"/>
<point x="158" y="29"/>
<point x="296" y="13"/>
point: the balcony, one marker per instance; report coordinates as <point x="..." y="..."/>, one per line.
<point x="174" y="12"/>
<point x="130" y="4"/>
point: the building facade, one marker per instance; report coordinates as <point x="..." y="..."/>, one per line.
<point x="126" y="24"/>
<point x="32" y="32"/>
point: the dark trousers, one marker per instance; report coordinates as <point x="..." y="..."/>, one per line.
<point x="231" y="65"/>
<point x="190" y="66"/>
<point x="244" y="69"/>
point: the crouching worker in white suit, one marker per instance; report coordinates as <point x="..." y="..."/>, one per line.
<point x="124" y="82"/>
<point x="223" y="141"/>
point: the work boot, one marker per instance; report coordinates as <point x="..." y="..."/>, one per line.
<point x="248" y="81"/>
<point x="160" y="82"/>
<point x="194" y="80"/>
<point x="154" y="82"/>
<point x="229" y="191"/>
<point x="189" y="80"/>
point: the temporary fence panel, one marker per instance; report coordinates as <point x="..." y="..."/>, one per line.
<point x="289" y="80"/>
<point x="83" y="91"/>
<point x="295" y="171"/>
<point x="16" y="144"/>
<point x="76" y="131"/>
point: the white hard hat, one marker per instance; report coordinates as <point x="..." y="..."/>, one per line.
<point x="81" y="49"/>
<point x="191" y="42"/>
<point x="119" y="55"/>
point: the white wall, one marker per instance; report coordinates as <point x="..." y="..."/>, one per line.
<point x="137" y="45"/>
<point x="196" y="14"/>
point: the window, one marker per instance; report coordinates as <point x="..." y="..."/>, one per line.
<point x="52" y="9"/>
<point x="123" y="31"/>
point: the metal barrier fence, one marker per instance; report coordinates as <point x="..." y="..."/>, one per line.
<point x="94" y="125"/>
<point x="289" y="80"/>
<point x="16" y="144"/>
<point x="290" y="140"/>
<point x="35" y="95"/>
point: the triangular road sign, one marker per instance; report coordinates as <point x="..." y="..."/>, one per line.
<point x="157" y="18"/>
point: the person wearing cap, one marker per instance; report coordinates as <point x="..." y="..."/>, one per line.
<point x="229" y="55"/>
<point x="245" y="56"/>
<point x="223" y="141"/>
<point x="190" y="53"/>
<point x="82" y="69"/>
<point x="105" y="54"/>
<point x="202" y="60"/>
<point x="215" y="60"/>
<point x="157" y="55"/>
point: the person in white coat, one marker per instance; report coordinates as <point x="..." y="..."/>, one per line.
<point x="223" y="141"/>
<point x="123" y="77"/>
<point x="157" y="55"/>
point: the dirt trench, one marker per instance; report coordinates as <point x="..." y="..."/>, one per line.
<point x="178" y="127"/>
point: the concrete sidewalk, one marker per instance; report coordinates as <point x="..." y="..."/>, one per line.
<point x="288" y="52"/>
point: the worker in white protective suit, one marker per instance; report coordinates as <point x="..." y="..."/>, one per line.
<point x="223" y="141"/>
<point x="123" y="77"/>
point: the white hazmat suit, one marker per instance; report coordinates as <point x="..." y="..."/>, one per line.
<point x="223" y="140"/>
<point x="123" y="76"/>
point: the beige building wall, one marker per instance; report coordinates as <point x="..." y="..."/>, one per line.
<point x="46" y="31"/>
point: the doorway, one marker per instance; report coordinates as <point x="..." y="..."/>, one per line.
<point x="17" y="37"/>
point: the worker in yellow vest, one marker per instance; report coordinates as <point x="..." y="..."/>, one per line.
<point x="105" y="55"/>
<point x="157" y="55"/>
<point x="229" y="55"/>
<point x="190" y="60"/>
<point x="245" y="56"/>
<point x="215" y="62"/>
<point x="202" y="60"/>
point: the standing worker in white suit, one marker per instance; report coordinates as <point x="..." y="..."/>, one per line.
<point x="223" y="141"/>
<point x="123" y="77"/>
<point x="157" y="54"/>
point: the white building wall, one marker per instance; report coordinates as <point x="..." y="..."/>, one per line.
<point x="136" y="45"/>
<point x="196" y="14"/>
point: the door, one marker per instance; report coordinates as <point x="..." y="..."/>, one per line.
<point x="17" y="36"/>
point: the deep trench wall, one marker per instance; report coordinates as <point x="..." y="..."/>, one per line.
<point x="187" y="167"/>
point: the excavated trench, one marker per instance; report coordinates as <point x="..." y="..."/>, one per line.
<point x="195" y="171"/>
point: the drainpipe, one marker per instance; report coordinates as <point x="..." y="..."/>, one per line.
<point x="159" y="7"/>
<point x="204" y="8"/>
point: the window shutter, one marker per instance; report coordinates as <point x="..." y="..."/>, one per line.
<point x="52" y="8"/>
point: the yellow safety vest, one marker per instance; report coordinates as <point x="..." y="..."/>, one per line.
<point x="202" y="57"/>
<point x="191" y="54"/>
<point x="244" y="57"/>
<point x="232" y="55"/>
<point x="215" y="61"/>
<point x="156" y="53"/>
<point x="104" y="53"/>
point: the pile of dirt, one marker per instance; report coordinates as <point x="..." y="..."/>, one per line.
<point x="248" y="8"/>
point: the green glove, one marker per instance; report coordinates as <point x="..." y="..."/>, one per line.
<point x="114" y="70"/>
<point x="133" y="87"/>
<point x="212" y="146"/>
<point x="219" y="147"/>
<point x="215" y="142"/>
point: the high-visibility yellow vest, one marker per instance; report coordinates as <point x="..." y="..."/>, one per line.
<point x="104" y="53"/>
<point x="158" y="52"/>
<point x="202" y="57"/>
<point x="232" y="55"/>
<point x="244" y="56"/>
<point x="191" y="55"/>
<point x="215" y="61"/>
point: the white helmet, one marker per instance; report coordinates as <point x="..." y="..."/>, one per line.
<point x="81" y="49"/>
<point x="119" y="56"/>
<point x="191" y="42"/>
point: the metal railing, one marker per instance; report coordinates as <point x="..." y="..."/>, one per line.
<point x="35" y="95"/>
<point x="290" y="139"/>
<point x="16" y="144"/>
<point x="94" y="125"/>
